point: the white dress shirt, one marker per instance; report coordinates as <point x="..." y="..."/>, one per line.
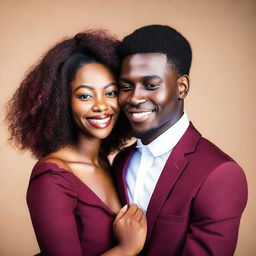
<point x="147" y="163"/>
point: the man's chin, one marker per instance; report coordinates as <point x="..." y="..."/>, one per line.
<point x="145" y="135"/>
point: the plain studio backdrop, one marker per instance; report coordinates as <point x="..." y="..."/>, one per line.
<point x="221" y="102"/>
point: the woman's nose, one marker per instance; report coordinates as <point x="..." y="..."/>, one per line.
<point x="100" y="106"/>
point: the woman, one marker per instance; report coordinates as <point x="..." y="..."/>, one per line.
<point x="65" y="112"/>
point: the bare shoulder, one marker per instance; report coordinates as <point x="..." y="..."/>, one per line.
<point x="56" y="159"/>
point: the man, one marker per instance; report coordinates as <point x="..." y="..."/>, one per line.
<point x="193" y="193"/>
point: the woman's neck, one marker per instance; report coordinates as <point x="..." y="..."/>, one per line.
<point x="87" y="149"/>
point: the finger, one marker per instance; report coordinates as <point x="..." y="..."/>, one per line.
<point x="143" y="219"/>
<point x="132" y="209"/>
<point x="121" y="212"/>
<point x="138" y="214"/>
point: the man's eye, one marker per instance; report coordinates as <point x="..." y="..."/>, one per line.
<point x="84" y="96"/>
<point x="152" y="86"/>
<point x="111" y="94"/>
<point x="125" y="88"/>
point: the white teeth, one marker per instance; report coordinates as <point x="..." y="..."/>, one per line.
<point x="100" y="121"/>
<point x="141" y="114"/>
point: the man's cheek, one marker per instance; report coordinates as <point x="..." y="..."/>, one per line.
<point x="121" y="99"/>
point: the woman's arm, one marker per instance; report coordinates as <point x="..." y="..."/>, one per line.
<point x="51" y="201"/>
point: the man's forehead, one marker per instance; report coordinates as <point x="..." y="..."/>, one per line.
<point x="144" y="62"/>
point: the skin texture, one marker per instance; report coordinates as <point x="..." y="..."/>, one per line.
<point x="94" y="96"/>
<point x="130" y="228"/>
<point x="151" y="94"/>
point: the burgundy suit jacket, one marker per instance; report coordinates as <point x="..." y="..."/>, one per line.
<point x="197" y="203"/>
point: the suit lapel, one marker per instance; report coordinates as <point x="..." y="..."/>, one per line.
<point x="173" y="168"/>
<point x="120" y="168"/>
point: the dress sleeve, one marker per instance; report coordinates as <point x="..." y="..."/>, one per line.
<point x="217" y="211"/>
<point x="51" y="200"/>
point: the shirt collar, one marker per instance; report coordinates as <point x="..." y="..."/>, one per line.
<point x="159" y="146"/>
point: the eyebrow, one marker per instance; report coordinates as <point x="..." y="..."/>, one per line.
<point x="110" y="84"/>
<point x="92" y="88"/>
<point x="122" y="79"/>
<point x="83" y="86"/>
<point x="145" y="78"/>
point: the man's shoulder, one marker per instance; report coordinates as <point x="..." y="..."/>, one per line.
<point x="209" y="149"/>
<point x="208" y="152"/>
<point x="207" y="159"/>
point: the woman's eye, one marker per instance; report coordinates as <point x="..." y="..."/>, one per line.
<point x="84" y="97"/>
<point x="152" y="86"/>
<point x="111" y="94"/>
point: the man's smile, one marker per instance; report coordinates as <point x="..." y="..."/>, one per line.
<point x="139" y="115"/>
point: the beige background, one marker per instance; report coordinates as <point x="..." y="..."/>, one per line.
<point x="221" y="102"/>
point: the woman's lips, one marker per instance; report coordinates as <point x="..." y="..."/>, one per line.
<point x="100" y="121"/>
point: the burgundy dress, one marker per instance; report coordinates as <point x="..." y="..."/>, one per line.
<point x="69" y="219"/>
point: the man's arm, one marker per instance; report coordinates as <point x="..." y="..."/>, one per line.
<point x="216" y="213"/>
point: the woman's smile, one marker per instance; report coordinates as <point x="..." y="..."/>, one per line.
<point x="94" y="100"/>
<point x="100" y="121"/>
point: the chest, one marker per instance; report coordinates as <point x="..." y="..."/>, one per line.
<point x="100" y="183"/>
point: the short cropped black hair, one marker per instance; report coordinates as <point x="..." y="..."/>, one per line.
<point x="162" y="39"/>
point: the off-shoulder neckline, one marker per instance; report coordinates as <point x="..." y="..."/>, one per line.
<point x="54" y="165"/>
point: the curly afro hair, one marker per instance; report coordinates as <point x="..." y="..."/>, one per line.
<point x="162" y="39"/>
<point x="39" y="114"/>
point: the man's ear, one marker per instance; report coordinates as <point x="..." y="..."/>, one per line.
<point x="183" y="86"/>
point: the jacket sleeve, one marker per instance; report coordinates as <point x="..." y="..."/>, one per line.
<point x="51" y="200"/>
<point x="216" y="214"/>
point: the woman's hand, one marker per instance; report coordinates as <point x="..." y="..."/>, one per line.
<point x="130" y="229"/>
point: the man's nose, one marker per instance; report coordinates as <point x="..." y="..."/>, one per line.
<point x="137" y="96"/>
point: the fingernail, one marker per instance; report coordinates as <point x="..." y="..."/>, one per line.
<point x="124" y="207"/>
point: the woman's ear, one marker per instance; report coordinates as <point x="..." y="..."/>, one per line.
<point x="183" y="86"/>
